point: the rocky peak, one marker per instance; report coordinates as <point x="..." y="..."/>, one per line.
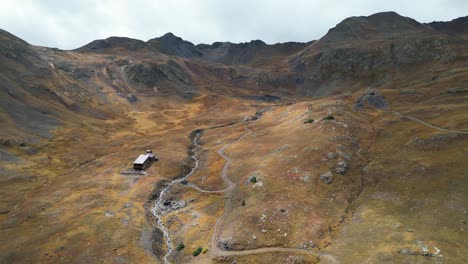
<point x="174" y="45"/>
<point x="13" y="47"/>
<point x="7" y="36"/>
<point x="385" y="24"/>
<point x="234" y="53"/>
<point x="456" y="26"/>
<point x="170" y="37"/>
<point x="111" y="43"/>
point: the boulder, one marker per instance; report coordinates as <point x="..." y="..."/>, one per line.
<point x="341" y="167"/>
<point x="326" y="177"/>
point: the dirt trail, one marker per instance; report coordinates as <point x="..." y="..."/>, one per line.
<point x="428" y="124"/>
<point x="193" y="186"/>
<point x="215" y="250"/>
<point x="228" y="193"/>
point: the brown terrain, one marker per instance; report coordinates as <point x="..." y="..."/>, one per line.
<point x="349" y="149"/>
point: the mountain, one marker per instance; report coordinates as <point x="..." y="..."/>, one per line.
<point x="375" y="51"/>
<point x="456" y="26"/>
<point x="112" y="43"/>
<point x="349" y="148"/>
<point x="385" y="25"/>
<point x="171" y="44"/>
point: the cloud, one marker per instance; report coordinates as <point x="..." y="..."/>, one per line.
<point x="71" y="24"/>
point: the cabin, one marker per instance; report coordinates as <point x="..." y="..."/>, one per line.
<point x="143" y="160"/>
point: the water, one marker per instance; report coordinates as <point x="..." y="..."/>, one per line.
<point x="158" y="208"/>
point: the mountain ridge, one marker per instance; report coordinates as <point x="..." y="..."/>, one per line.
<point x="318" y="68"/>
<point x="378" y="23"/>
<point x="284" y="153"/>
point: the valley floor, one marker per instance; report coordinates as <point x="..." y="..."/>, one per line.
<point x="368" y="186"/>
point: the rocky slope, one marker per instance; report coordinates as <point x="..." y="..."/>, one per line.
<point x="345" y="137"/>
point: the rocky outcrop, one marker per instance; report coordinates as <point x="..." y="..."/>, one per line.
<point x="173" y="45"/>
<point x="326" y="177"/>
<point x="16" y="49"/>
<point x="379" y="25"/>
<point x="454" y="27"/>
<point x="370" y="51"/>
<point x="152" y="74"/>
<point x="80" y="73"/>
<point x="248" y="52"/>
<point x="222" y="52"/>
<point x="371" y="99"/>
<point x="111" y="44"/>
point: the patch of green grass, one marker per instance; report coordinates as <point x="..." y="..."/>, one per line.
<point x="197" y="251"/>
<point x="329" y="117"/>
<point x="310" y="120"/>
<point x="204" y="250"/>
<point x="180" y="246"/>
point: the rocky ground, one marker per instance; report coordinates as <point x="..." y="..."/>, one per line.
<point x="348" y="149"/>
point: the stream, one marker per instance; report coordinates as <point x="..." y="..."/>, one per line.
<point x="159" y="207"/>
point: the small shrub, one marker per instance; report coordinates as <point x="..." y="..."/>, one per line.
<point x="204" y="250"/>
<point x="180" y="247"/>
<point x="253" y="179"/>
<point x="310" y="120"/>
<point x="243" y="202"/>
<point x="329" y="117"/>
<point x="197" y="251"/>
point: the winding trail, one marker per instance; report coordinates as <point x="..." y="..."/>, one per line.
<point x="428" y="124"/>
<point x="228" y="193"/>
<point x="214" y="249"/>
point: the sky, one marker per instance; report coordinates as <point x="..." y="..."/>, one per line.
<point x="69" y="24"/>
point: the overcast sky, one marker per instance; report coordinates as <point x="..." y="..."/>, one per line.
<point x="69" y="24"/>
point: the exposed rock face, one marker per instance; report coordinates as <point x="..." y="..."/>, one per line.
<point x="371" y="63"/>
<point x="385" y="24"/>
<point x="372" y="50"/>
<point x="77" y="72"/>
<point x="359" y="51"/>
<point x="151" y="74"/>
<point x="14" y="48"/>
<point x="103" y="45"/>
<point x="456" y="26"/>
<point x="231" y="53"/>
<point x="371" y="98"/>
<point x="171" y="44"/>
<point x="243" y="53"/>
<point x="223" y="52"/>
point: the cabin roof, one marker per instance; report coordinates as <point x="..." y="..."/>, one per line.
<point x="141" y="159"/>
